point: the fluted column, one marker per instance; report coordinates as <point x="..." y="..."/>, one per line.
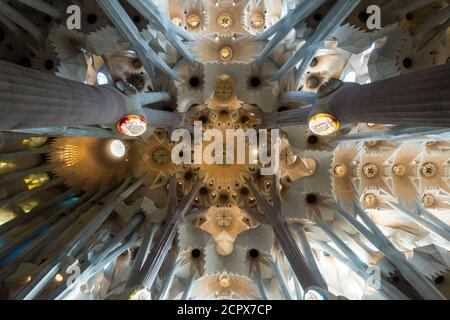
<point x="261" y="288"/>
<point x="163" y="119"/>
<point x="153" y="97"/>
<point x="164" y="295"/>
<point x="188" y="287"/>
<point x="281" y="281"/>
<point x="298" y="97"/>
<point x="287" y="118"/>
<point x="420" y="98"/>
<point x="309" y="255"/>
<point x="274" y="217"/>
<point x="141" y="255"/>
<point x="33" y="99"/>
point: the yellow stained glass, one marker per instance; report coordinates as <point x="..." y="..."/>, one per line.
<point x="27" y="205"/>
<point x="36" y="180"/>
<point x="34" y="142"/>
<point x="6" y="215"/>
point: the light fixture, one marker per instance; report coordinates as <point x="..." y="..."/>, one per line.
<point x="370" y="170"/>
<point x="350" y="77"/>
<point x="340" y="170"/>
<point x="34" y="142"/>
<point x="193" y="21"/>
<point x="117" y="148"/>
<point x="313" y="294"/>
<point x="59" y="277"/>
<point x="225" y="21"/>
<point x="323" y="124"/>
<point x="35" y="180"/>
<point x="225" y="280"/>
<point x="427" y="200"/>
<point x="399" y="170"/>
<point x="101" y="79"/>
<point x="6" y="215"/>
<point x="369" y="200"/>
<point x="428" y="170"/>
<point x="132" y="126"/>
<point x="177" y="21"/>
<point x="142" y="294"/>
<point x="257" y="21"/>
<point x="225" y="54"/>
<point x="372" y="143"/>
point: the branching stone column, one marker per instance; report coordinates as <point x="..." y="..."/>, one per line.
<point x="163" y="119"/>
<point x="340" y="11"/>
<point x="372" y="233"/>
<point x="166" y="234"/>
<point x="72" y="247"/>
<point x="188" y="286"/>
<point x="298" y="97"/>
<point x="168" y="281"/>
<point x="280" y="30"/>
<point x="274" y="217"/>
<point x="309" y="254"/>
<point x="149" y="58"/>
<point x="101" y="259"/>
<point x="419" y="98"/>
<point x="33" y="99"/>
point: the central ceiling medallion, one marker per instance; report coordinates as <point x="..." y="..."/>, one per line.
<point x="161" y="156"/>
<point x="224" y="89"/>
<point x="224" y="219"/>
<point x="288" y="157"/>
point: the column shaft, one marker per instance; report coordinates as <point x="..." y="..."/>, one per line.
<point x="420" y="98"/>
<point x="33" y="99"/>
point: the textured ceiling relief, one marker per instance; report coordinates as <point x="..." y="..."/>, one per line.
<point x="224" y="150"/>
